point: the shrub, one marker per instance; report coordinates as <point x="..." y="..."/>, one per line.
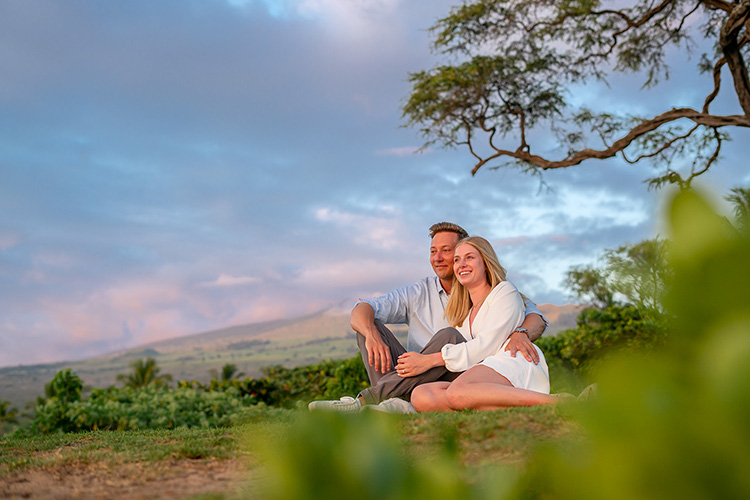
<point x="150" y="407"/>
<point x="602" y="331"/>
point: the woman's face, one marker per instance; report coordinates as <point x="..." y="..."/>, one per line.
<point x="468" y="266"/>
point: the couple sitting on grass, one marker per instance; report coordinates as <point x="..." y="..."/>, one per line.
<point x="466" y="326"/>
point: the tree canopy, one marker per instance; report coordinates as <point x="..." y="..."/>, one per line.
<point x="144" y="372"/>
<point x="639" y="272"/>
<point x="515" y="63"/>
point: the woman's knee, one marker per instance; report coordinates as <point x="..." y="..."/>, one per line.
<point x="456" y="397"/>
<point x="427" y="397"/>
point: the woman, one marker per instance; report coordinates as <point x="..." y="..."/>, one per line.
<point x="485" y="308"/>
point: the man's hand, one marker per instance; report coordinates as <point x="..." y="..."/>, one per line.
<point x="378" y="353"/>
<point x="363" y="322"/>
<point x="519" y="342"/>
<point x="411" y="364"/>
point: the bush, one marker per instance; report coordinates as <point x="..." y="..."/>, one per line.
<point x="328" y="379"/>
<point x="599" y="332"/>
<point x="150" y="407"/>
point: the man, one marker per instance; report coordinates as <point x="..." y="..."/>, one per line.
<point x="421" y="306"/>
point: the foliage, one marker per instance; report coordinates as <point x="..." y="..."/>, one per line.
<point x="515" y="62"/>
<point x="603" y="331"/>
<point x="739" y="197"/>
<point x="145" y="372"/>
<point x="326" y="380"/>
<point x="7" y="414"/>
<point x="673" y="425"/>
<point x="228" y="372"/>
<point x="149" y="407"/>
<point x="62" y="392"/>
<point x="590" y="284"/>
<point x="330" y="456"/>
<point x="349" y="377"/>
<point x="66" y="387"/>
<point x="639" y="272"/>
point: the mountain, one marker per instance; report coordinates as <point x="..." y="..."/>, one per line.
<point x="560" y="317"/>
<point x="287" y="342"/>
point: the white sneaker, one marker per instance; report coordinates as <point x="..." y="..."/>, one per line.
<point x="393" y="405"/>
<point x="346" y="404"/>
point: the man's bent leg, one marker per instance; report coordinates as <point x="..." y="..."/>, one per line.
<point x="393" y="344"/>
<point x="391" y="385"/>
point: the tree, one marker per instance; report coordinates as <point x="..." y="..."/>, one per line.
<point x="7" y="414"/>
<point x="228" y="372"/>
<point x="590" y="284"/>
<point x="639" y="272"/>
<point x="145" y="372"/>
<point x="516" y="61"/>
<point x="66" y="386"/>
<point x="740" y="198"/>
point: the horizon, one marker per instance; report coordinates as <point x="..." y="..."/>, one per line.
<point x="186" y="336"/>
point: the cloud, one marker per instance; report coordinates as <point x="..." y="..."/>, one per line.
<point x="228" y="280"/>
<point x="379" y="230"/>
<point x="401" y="152"/>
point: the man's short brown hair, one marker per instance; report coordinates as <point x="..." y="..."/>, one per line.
<point x="448" y="227"/>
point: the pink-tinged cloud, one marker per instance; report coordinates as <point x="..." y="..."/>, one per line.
<point x="558" y="238"/>
<point x="229" y="280"/>
<point x="9" y="240"/>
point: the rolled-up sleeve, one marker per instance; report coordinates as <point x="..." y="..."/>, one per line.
<point x="501" y="313"/>
<point x="394" y="307"/>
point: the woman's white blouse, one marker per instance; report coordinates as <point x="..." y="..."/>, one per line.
<point x="501" y="313"/>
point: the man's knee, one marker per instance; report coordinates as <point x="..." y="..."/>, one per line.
<point x="447" y="336"/>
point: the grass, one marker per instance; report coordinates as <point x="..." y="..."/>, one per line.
<point x="475" y="439"/>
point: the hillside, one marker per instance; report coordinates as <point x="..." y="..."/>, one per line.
<point x="288" y="342"/>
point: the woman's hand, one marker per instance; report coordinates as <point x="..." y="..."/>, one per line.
<point x="411" y="364"/>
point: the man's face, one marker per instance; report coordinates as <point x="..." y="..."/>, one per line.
<point x="441" y="254"/>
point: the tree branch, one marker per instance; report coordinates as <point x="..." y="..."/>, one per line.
<point x="622" y="143"/>
<point x="730" y="43"/>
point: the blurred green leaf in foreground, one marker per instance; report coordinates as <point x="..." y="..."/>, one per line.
<point x="675" y="424"/>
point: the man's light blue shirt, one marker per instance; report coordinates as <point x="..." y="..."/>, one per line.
<point x="421" y="306"/>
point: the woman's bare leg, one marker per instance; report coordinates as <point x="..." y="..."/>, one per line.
<point x="430" y="397"/>
<point x="482" y="388"/>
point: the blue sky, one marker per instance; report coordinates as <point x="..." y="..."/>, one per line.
<point x="176" y="166"/>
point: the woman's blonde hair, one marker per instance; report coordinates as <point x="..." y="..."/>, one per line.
<point x="459" y="303"/>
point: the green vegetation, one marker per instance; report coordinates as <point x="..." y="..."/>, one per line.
<point x="228" y="372"/>
<point x="640" y="273"/>
<point x="145" y="373"/>
<point x="514" y="63"/>
<point x="602" y="332"/>
<point x="7" y="414"/>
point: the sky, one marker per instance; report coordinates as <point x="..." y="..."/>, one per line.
<point x="177" y="166"/>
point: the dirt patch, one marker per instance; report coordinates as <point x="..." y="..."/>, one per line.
<point x="173" y="480"/>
